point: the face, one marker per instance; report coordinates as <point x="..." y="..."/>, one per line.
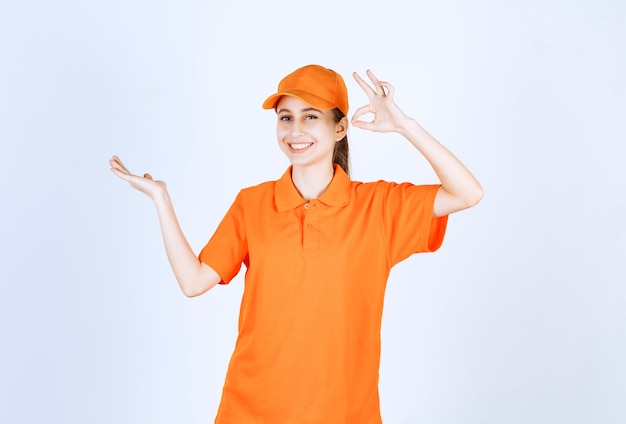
<point x="307" y="135"/>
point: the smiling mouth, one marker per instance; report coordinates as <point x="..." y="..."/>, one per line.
<point x="299" y="147"/>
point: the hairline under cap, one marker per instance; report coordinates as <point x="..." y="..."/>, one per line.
<point x="310" y="99"/>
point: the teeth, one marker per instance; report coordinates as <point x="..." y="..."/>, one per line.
<point x="300" y="146"/>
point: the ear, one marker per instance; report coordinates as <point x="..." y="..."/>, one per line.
<point x="341" y="128"/>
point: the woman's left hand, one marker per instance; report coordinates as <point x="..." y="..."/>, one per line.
<point x="387" y="115"/>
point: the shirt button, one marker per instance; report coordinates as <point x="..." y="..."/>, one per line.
<point x="306" y="206"/>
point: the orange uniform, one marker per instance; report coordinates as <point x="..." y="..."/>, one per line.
<point x="308" y="349"/>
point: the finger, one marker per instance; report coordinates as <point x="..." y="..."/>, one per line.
<point x="118" y="167"/>
<point x="358" y="123"/>
<point x="364" y="125"/>
<point x="148" y="176"/>
<point x="117" y="163"/>
<point x="116" y="159"/>
<point x="365" y="86"/>
<point x="362" y="111"/>
<point x="123" y="175"/>
<point x="388" y="88"/>
<point x="379" y="86"/>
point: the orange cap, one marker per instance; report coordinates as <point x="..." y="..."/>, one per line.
<point x="315" y="85"/>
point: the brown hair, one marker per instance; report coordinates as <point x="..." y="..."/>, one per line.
<point x="341" y="154"/>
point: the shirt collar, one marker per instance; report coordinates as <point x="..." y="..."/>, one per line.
<point x="337" y="194"/>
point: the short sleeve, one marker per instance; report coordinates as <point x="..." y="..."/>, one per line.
<point x="228" y="247"/>
<point x="408" y="223"/>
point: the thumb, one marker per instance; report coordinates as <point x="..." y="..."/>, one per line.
<point x="148" y="176"/>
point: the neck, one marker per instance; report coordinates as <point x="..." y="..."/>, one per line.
<point x="311" y="182"/>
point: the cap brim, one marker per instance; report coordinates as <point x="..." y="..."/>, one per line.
<point x="308" y="98"/>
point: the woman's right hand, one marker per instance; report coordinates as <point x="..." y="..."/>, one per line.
<point x="145" y="184"/>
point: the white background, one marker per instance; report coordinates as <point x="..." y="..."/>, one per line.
<point x="519" y="318"/>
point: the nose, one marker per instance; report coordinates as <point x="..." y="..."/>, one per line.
<point x="297" y="128"/>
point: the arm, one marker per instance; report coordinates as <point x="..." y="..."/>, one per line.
<point x="459" y="189"/>
<point x="193" y="276"/>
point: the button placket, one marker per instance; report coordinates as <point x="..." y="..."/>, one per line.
<point x="310" y="234"/>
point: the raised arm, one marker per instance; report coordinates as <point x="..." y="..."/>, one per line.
<point x="459" y="189"/>
<point x="193" y="276"/>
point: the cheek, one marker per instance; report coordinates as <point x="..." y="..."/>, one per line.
<point x="280" y="134"/>
<point x="329" y="131"/>
<point x="280" y="131"/>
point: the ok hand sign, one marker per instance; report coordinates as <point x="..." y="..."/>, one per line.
<point x="387" y="115"/>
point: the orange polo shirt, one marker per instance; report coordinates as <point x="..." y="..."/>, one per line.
<point x="308" y="349"/>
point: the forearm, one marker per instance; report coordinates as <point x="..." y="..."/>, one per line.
<point x="459" y="188"/>
<point x="456" y="180"/>
<point x="193" y="277"/>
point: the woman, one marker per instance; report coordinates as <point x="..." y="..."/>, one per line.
<point x="318" y="249"/>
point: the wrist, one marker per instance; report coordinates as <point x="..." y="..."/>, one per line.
<point x="161" y="197"/>
<point x="408" y="126"/>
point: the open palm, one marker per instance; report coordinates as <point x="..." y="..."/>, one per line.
<point x="145" y="184"/>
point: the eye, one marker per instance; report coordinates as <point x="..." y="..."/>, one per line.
<point x="284" y="118"/>
<point x="309" y="117"/>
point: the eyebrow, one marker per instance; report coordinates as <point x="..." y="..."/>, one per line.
<point x="308" y="109"/>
